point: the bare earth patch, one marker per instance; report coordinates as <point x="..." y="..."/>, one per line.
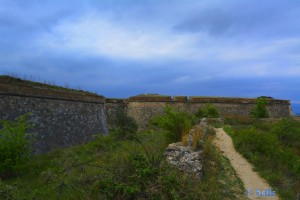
<point x="256" y="187"/>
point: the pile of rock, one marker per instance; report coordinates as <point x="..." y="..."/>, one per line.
<point x="185" y="158"/>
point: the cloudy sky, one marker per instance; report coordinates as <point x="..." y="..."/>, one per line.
<point x="120" y="48"/>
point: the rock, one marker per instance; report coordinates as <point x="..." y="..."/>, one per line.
<point x="184" y="157"/>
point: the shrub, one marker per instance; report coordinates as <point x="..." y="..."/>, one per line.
<point x="255" y="141"/>
<point x="271" y="153"/>
<point x="209" y="111"/>
<point x="125" y="127"/>
<point x="177" y="123"/>
<point x="104" y="143"/>
<point x="287" y="131"/>
<point x="15" y="146"/>
<point x="260" y="109"/>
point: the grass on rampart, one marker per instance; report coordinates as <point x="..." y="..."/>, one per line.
<point x="274" y="150"/>
<point x="24" y="81"/>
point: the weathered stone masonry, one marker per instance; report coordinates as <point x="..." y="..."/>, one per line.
<point x="143" y="108"/>
<point x="60" y="119"/>
<point x="63" y="118"/>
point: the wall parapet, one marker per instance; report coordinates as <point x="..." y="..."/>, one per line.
<point x="151" y="98"/>
<point x="202" y="99"/>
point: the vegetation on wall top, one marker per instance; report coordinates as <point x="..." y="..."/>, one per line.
<point x="23" y="81"/>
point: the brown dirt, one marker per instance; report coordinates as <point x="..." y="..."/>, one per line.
<point x="252" y="181"/>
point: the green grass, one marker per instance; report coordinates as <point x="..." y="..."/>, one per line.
<point x="24" y="81"/>
<point x="108" y="168"/>
<point x="273" y="148"/>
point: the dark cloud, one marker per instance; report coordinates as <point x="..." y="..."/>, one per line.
<point x="214" y="22"/>
<point x="242" y="35"/>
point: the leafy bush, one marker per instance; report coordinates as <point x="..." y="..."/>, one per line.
<point x="209" y="111"/>
<point x="177" y="123"/>
<point x="135" y="175"/>
<point x="125" y="127"/>
<point x="288" y="132"/>
<point x="260" y="109"/>
<point x="15" y="145"/>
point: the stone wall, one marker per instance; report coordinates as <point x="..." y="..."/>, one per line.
<point x="65" y="117"/>
<point x="143" y="108"/>
<point x="60" y="118"/>
<point x="112" y="106"/>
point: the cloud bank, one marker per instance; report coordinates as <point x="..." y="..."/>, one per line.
<point x="122" y="48"/>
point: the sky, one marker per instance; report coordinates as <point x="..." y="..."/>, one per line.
<point x="121" y="48"/>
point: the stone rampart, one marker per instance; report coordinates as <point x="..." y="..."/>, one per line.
<point x="143" y="108"/>
<point x="60" y="118"/>
<point x="64" y="117"/>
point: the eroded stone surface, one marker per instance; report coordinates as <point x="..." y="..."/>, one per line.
<point x="185" y="157"/>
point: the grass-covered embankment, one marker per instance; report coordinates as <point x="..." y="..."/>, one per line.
<point x="274" y="150"/>
<point x="123" y="165"/>
<point x="120" y="169"/>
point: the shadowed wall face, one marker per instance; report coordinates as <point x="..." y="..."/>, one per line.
<point x="57" y="123"/>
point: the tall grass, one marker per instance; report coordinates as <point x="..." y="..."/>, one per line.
<point x="114" y="167"/>
<point x="274" y="150"/>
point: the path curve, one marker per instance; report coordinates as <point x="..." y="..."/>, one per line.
<point x="252" y="181"/>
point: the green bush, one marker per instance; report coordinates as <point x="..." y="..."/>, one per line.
<point x="177" y="123"/>
<point x="273" y="151"/>
<point x="288" y="132"/>
<point x="132" y="182"/>
<point x="125" y="127"/>
<point x="260" y="109"/>
<point x="255" y="141"/>
<point x="209" y="111"/>
<point x="104" y="143"/>
<point x="15" y="145"/>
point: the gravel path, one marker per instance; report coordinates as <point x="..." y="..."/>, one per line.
<point x="255" y="186"/>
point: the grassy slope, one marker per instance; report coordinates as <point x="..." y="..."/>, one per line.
<point x="16" y="80"/>
<point x="274" y="149"/>
<point x="111" y="169"/>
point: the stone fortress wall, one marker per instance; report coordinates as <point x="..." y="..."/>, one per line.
<point x="63" y="118"/>
<point x="60" y="118"/>
<point x="144" y="107"/>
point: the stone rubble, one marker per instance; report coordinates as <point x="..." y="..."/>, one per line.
<point x="186" y="158"/>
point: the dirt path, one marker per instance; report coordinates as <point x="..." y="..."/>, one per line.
<point x="253" y="183"/>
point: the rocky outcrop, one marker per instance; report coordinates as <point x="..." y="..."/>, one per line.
<point x="185" y="157"/>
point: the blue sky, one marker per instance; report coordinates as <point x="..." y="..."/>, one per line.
<point x="120" y="48"/>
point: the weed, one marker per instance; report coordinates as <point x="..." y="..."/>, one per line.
<point x="15" y="145"/>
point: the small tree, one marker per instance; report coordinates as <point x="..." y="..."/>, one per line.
<point x="260" y="109"/>
<point x="15" y="144"/>
<point x="177" y="123"/>
<point x="209" y="110"/>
